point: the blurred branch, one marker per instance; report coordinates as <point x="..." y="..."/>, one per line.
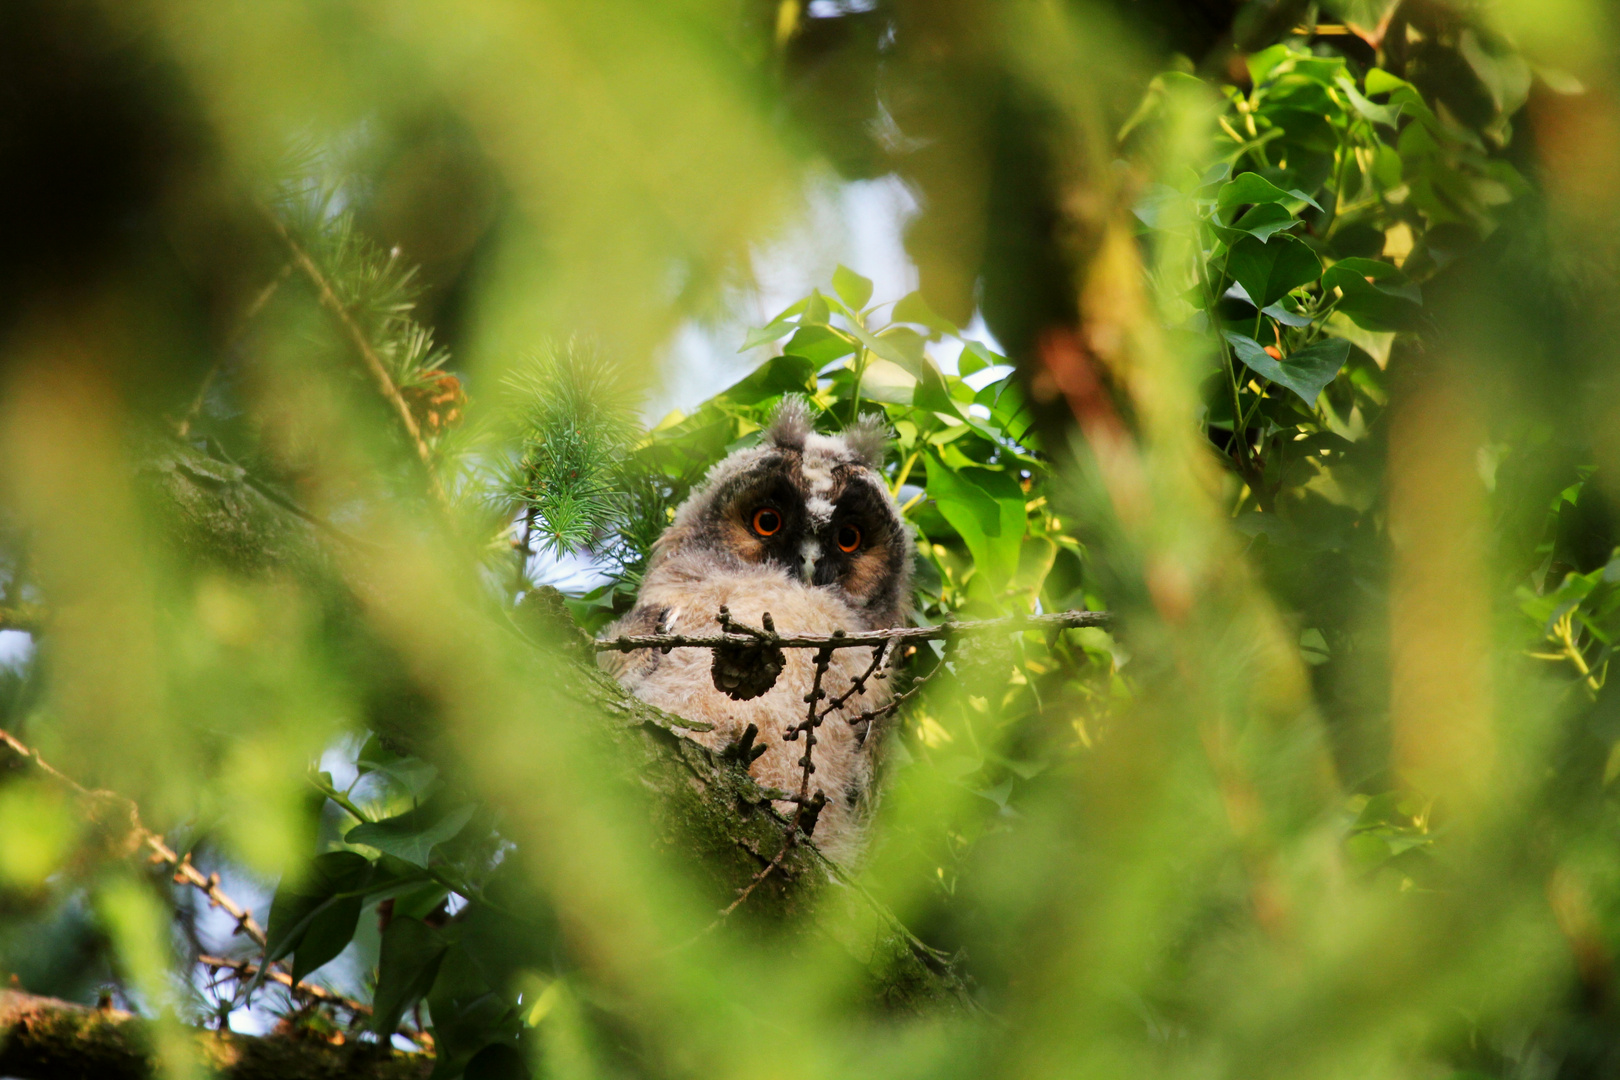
<point x="357" y="336"/>
<point x="28" y="617"/>
<point x="1063" y="620"/>
<point x="46" y="1038"/>
<point x="184" y="872"/>
<point x="183" y="428"/>
<point x="245" y="970"/>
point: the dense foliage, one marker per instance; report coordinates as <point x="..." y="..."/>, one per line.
<point x="1301" y="366"/>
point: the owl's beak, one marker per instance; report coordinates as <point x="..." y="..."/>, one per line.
<point x="809" y="555"/>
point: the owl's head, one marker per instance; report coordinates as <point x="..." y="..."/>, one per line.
<point x="813" y="507"/>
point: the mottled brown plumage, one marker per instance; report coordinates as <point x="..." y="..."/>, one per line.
<point x="803" y="527"/>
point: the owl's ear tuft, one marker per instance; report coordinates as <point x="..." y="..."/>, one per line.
<point x="868" y="439"/>
<point x="791" y="424"/>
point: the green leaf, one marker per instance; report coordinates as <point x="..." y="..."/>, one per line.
<point x="409" y="959"/>
<point x="1378" y="114"/>
<point x="986" y="508"/>
<point x="1263" y="63"/>
<point x="1262" y="221"/>
<point x="821" y="345"/>
<point x="779" y="375"/>
<point x="298" y="901"/>
<point x="1163" y="207"/>
<point x="1304" y="371"/>
<point x="912" y="308"/>
<point x="774" y="331"/>
<point x="1254" y="188"/>
<point x="851" y="288"/>
<point x="816" y="312"/>
<point x="1389" y="301"/>
<point x="1269" y="270"/>
<point x="412" y="836"/>
<point x="888" y="383"/>
<point x="1286" y="317"/>
<point x="977" y="357"/>
<point x="330" y="929"/>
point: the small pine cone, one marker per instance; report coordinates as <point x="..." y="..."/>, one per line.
<point x="744" y="672"/>
<point x="436" y="402"/>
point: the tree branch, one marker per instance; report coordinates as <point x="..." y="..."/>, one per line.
<point x="368" y="355"/>
<point x="184" y="872"/>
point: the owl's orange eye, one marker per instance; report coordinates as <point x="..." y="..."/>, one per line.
<point x="849" y="538"/>
<point x="767" y="522"/>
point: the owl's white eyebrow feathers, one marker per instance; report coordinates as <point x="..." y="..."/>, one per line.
<point x="820" y="510"/>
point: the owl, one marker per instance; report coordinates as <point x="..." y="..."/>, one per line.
<point x="804" y="528"/>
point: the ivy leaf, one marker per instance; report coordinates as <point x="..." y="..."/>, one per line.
<point x="1269" y="270"/>
<point x="299" y="901"/>
<point x="1262" y="221"/>
<point x="977" y="357"/>
<point x="1378" y="114"/>
<point x="408" y="960"/>
<point x="779" y="375"/>
<point x="912" y="308"/>
<point x="412" y="836"/>
<point x="1254" y="188"/>
<point x="1286" y="317"/>
<point x="1304" y="371"/>
<point x="851" y="288"/>
<point x="1377" y="296"/>
<point x="816" y="312"/>
<point x="774" y="331"/>
<point x="821" y="345"/>
<point x="986" y="508"/>
<point x="330" y="930"/>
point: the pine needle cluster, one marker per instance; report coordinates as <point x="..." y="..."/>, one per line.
<point x="577" y="428"/>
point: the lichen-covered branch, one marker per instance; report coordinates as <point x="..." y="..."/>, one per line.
<point x="44" y="1038"/>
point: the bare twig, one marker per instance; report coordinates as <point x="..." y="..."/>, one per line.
<point x="737" y="634"/>
<point x="184" y="872"/>
<point x="243" y="970"/>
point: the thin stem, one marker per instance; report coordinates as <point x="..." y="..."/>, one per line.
<point x="905" y="472"/>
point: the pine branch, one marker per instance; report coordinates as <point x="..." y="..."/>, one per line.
<point x="368" y="355"/>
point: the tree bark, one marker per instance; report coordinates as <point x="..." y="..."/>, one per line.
<point x="44" y="1038"/>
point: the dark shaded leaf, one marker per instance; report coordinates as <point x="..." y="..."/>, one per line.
<point x="1270" y="270"/>
<point x="331" y="928"/>
<point x="299" y="901"/>
<point x="497" y="1061"/>
<point x="410" y="955"/>
<point x="412" y="836"/>
<point x="780" y="375"/>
